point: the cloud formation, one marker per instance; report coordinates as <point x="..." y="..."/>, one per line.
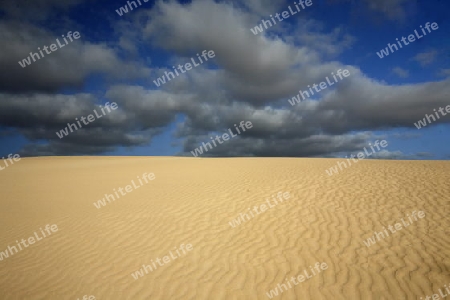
<point x="250" y="78"/>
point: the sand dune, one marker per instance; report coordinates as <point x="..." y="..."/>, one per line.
<point x="192" y="200"/>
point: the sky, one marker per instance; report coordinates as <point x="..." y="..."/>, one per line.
<point x="251" y="77"/>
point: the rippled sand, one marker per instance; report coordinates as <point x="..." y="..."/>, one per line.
<point x="192" y="201"/>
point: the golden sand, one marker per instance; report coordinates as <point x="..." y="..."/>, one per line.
<point x="192" y="200"/>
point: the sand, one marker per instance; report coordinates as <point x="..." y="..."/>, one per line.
<point x="192" y="200"/>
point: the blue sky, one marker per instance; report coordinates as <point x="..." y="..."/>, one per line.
<point x="250" y="78"/>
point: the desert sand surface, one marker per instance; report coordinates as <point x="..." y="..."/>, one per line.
<point x="192" y="201"/>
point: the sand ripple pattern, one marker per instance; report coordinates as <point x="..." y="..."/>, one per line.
<point x="193" y="199"/>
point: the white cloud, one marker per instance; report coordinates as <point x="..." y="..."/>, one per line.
<point x="402" y="73"/>
<point x="426" y="58"/>
<point x="444" y="72"/>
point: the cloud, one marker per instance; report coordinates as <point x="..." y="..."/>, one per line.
<point x="426" y="58"/>
<point x="311" y="128"/>
<point x="330" y="44"/>
<point x="40" y="116"/>
<point x="358" y="104"/>
<point x="314" y="145"/>
<point x="406" y="135"/>
<point x="255" y="69"/>
<point x="402" y="73"/>
<point x="262" y="7"/>
<point x="392" y="9"/>
<point x="37" y="10"/>
<point x="385" y="154"/>
<point x="444" y="72"/>
<point x="67" y="67"/>
<point x="250" y="78"/>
